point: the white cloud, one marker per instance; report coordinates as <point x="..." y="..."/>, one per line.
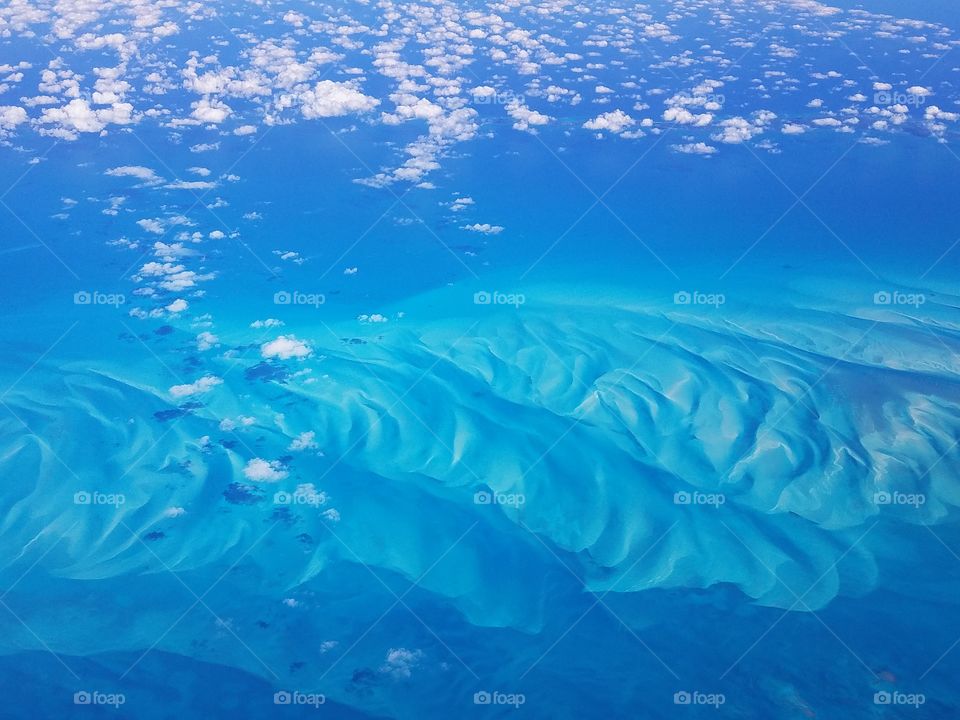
<point x="333" y="99"/>
<point x="484" y="228"/>
<point x="303" y="441"/>
<point x="682" y="116"/>
<point x="374" y="318"/>
<point x="78" y="117"/>
<point x="206" y="340"/>
<point x="207" y="382"/>
<point x="699" y="148"/>
<point x="401" y="662"/>
<point x="524" y="117"/>
<point x="190" y="185"/>
<point x="285" y="347"/>
<point x="260" y="470"/>
<point x="10" y="117"/>
<point x="615" y="121"/>
<point x="147" y="175"/>
<point x="207" y="110"/>
<point x="269" y="322"/>
<point x="152" y="225"/>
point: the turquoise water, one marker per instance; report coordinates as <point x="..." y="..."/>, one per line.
<point x="548" y="425"/>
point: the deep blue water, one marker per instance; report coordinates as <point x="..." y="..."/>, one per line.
<point x="415" y="404"/>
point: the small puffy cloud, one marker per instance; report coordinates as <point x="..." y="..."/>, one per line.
<point x="615" y="121"/>
<point x="793" y="129"/>
<point x="285" y="347"/>
<point x="190" y="185"/>
<point x="483" y="91"/>
<point x="333" y="99"/>
<point x="373" y="318"/>
<point x="151" y="225"/>
<point x="303" y="441"/>
<point x="524" y="117"/>
<point x="682" y="116"/>
<point x="10" y="117"/>
<point x="208" y="110"/>
<point x="78" y="117"/>
<point x="206" y="340"/>
<point x="698" y="148"/>
<point x="484" y="228"/>
<point x="918" y="91"/>
<point x="177" y="306"/>
<point x="401" y="662"/>
<point x="144" y="174"/>
<point x="737" y="129"/>
<point x="260" y="470"/>
<point x="268" y="323"/>
<point x="207" y="382"/>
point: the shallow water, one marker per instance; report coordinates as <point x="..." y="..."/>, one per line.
<point x="547" y="424"/>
